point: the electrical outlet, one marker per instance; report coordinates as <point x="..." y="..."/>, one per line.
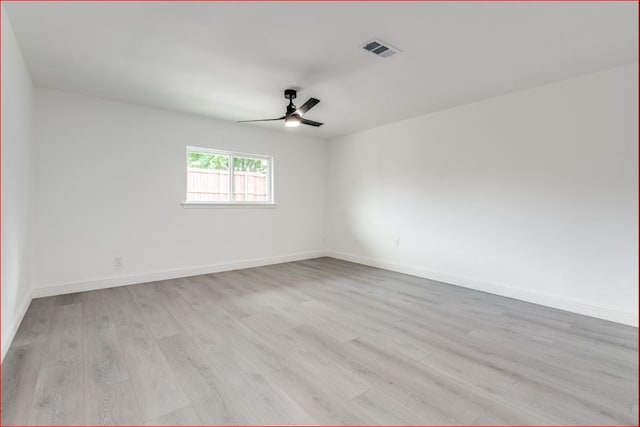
<point x="117" y="263"/>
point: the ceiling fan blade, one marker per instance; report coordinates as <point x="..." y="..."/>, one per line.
<point x="311" y="102"/>
<point x="310" y="122"/>
<point x="261" y="120"/>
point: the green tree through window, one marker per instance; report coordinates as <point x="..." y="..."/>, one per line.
<point x="221" y="162"/>
<point x="207" y="161"/>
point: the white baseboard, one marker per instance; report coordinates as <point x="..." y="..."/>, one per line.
<point x="110" y="282"/>
<point x="555" y="301"/>
<point x="15" y="324"/>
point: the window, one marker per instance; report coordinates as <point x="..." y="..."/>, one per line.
<point x="223" y="177"/>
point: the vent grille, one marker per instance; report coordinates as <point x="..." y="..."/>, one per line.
<point x="380" y="48"/>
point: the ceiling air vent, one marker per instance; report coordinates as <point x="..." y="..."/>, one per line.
<point x="380" y="48"/>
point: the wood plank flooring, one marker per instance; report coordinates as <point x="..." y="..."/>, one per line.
<point x="319" y="341"/>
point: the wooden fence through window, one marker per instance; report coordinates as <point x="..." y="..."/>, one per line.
<point x="207" y="185"/>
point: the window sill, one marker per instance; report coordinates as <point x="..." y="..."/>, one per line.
<point x="214" y="205"/>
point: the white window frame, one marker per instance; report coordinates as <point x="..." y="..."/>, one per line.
<point x="231" y="203"/>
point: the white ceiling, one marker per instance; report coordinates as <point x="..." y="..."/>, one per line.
<point x="233" y="60"/>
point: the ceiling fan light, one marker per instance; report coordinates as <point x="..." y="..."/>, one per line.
<point x="292" y="121"/>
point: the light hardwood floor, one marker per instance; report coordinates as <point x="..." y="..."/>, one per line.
<point x="314" y="342"/>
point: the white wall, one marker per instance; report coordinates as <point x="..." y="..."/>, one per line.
<point x="16" y="183"/>
<point x="110" y="178"/>
<point x="531" y="195"/>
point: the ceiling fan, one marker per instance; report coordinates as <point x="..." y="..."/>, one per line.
<point x="294" y="114"/>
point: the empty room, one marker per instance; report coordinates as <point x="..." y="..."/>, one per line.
<point x="319" y="213"/>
